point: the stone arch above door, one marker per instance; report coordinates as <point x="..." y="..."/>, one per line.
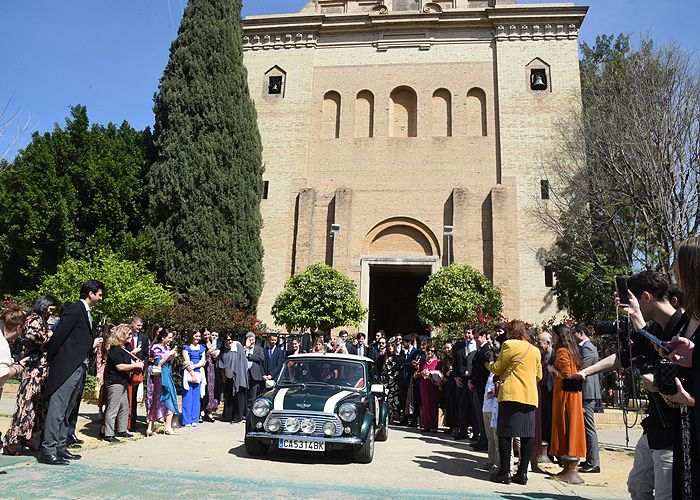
<point x="401" y="236"/>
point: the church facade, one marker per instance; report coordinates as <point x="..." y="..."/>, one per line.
<point x="403" y="135"/>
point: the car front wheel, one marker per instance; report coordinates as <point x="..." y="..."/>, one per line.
<point x="365" y="453"/>
<point x="383" y="432"/>
<point x="255" y="448"/>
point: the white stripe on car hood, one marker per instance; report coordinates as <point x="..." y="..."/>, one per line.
<point x="333" y="400"/>
<point x="279" y="399"/>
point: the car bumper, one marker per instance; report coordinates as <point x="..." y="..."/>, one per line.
<point x="336" y="440"/>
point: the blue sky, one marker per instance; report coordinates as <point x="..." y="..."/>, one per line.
<point x="110" y="54"/>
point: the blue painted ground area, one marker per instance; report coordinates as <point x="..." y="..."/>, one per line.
<point x="28" y="481"/>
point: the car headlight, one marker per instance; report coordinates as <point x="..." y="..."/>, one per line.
<point x="347" y="412"/>
<point x="273" y="425"/>
<point x="329" y="428"/>
<point x="292" y="425"/>
<point x="261" y="407"/>
<point x="308" y="426"/>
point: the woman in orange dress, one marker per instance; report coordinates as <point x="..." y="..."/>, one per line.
<point x="568" y="434"/>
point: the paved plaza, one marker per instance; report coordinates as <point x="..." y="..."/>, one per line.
<point x="210" y="462"/>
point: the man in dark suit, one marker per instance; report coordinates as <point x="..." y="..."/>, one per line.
<point x="406" y="370"/>
<point x="477" y="384"/>
<point x="343" y="336"/>
<point x="361" y="349"/>
<point x="139" y="346"/>
<point x="274" y="357"/>
<point x="257" y="368"/>
<point x="591" y="394"/>
<point x="66" y="352"/>
<point x="464" y="352"/>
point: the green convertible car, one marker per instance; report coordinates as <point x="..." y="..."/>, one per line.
<point x="320" y="402"/>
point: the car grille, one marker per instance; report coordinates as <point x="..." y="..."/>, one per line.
<point x="319" y="418"/>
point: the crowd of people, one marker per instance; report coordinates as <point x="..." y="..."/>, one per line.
<point x="504" y="387"/>
<point x="52" y="351"/>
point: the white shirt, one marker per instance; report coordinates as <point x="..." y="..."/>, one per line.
<point x="248" y="352"/>
<point x="87" y="308"/>
<point x="488" y="400"/>
<point x="469" y="346"/>
<point x="5" y="355"/>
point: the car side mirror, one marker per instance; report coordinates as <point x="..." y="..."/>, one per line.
<point x="377" y="389"/>
<point x="270" y="384"/>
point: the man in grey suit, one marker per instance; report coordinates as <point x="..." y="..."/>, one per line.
<point x="591" y="393"/>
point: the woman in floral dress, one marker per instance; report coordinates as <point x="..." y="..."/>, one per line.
<point x="389" y="378"/>
<point x="30" y="413"/>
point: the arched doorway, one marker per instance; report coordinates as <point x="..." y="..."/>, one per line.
<point x="399" y="255"/>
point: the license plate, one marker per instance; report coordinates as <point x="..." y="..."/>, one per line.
<point x="299" y="444"/>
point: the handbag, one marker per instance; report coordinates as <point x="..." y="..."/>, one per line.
<point x="572" y="385"/>
<point x="136" y="375"/>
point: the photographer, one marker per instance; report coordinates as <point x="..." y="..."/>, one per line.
<point x="652" y="472"/>
<point x="11" y="324"/>
<point x="28" y="419"/>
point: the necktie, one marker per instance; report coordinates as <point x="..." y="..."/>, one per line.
<point x="89" y="317"/>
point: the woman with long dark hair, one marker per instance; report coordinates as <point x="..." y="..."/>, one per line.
<point x="193" y="378"/>
<point x="163" y="396"/>
<point x="568" y="432"/>
<point x="30" y="413"/>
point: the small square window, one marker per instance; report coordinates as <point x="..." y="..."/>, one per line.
<point x="548" y="276"/>
<point x="274" y="86"/>
<point x="538" y="79"/>
<point x="266" y="187"/>
<point x="544" y="189"/>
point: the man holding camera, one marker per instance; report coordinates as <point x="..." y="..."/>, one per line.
<point x="652" y="473"/>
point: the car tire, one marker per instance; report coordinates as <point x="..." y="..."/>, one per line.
<point x="255" y="448"/>
<point x="365" y="453"/>
<point x="383" y="433"/>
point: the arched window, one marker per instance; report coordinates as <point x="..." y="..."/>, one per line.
<point x="442" y="113"/>
<point x="331" y="115"/>
<point x="364" y="114"/>
<point x="403" y="115"/>
<point x="476" y="113"/>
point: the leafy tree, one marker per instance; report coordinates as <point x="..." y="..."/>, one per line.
<point x="320" y="298"/>
<point x="70" y="193"/>
<point x="130" y="287"/>
<point x="204" y="311"/>
<point x="206" y="183"/>
<point x="625" y="176"/>
<point x="456" y="294"/>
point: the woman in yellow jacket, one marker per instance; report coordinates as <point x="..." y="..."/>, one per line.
<point x="519" y="367"/>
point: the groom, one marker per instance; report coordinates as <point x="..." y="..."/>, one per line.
<point x="69" y="347"/>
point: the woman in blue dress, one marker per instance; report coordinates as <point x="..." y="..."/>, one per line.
<point x="193" y="378"/>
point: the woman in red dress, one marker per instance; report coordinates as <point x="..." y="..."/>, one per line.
<point x="430" y="376"/>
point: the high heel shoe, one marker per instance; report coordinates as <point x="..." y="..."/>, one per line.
<point x="169" y="432"/>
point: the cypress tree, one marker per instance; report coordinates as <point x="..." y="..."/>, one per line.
<point x="205" y="184"/>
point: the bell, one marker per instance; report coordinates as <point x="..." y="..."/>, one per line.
<point x="538" y="82"/>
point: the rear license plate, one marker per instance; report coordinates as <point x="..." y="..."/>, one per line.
<point x="299" y="444"/>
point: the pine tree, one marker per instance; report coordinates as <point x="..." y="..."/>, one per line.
<point x="205" y="185"/>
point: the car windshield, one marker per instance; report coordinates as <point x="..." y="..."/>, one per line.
<point x="327" y="371"/>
